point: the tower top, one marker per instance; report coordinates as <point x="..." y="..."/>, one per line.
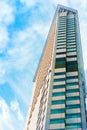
<point x="62" y="8"/>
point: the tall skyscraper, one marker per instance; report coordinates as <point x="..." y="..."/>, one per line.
<point x="58" y="101"/>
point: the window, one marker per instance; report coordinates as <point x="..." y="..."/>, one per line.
<point x="70" y="25"/>
<point x="73" y="125"/>
<point x="71" y="32"/>
<point x="72" y="84"/>
<point x="56" y="121"/>
<point x="71" y="40"/>
<point x="59" y="73"/>
<point x="62" y="23"/>
<point x="70" y="37"/>
<point x="72" y="66"/>
<point x="58" y="94"/>
<point x="71" y="50"/>
<point x="61" y="38"/>
<point x="55" y="111"/>
<point x="72" y="90"/>
<point x="60" y="59"/>
<point x="72" y="77"/>
<point x="58" y="102"/>
<point x="61" y="48"/>
<point x="76" y="115"/>
<point x="61" y="44"/>
<point x="61" y="31"/>
<point x="73" y="98"/>
<point x="70" y="45"/>
<point x="59" y="79"/>
<point x="62" y="26"/>
<point x="58" y="86"/>
<point x="72" y="106"/>
<point x="59" y="53"/>
<point x="60" y="62"/>
<point x="72" y="56"/>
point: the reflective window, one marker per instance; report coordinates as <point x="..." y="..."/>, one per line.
<point x="58" y="86"/>
<point x="58" y="94"/>
<point x="72" y="66"/>
<point x="59" y="79"/>
<point x="56" y="121"/>
<point x="72" y="106"/>
<point x="72" y="90"/>
<point x="60" y="62"/>
<point x="59" y="73"/>
<point x="73" y="125"/>
<point x="72" y="84"/>
<point x="73" y="98"/>
<point x="55" y="111"/>
<point x="72" y="77"/>
<point x="76" y="115"/>
<point x="58" y="102"/>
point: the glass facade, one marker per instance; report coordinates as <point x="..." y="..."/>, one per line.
<point x="59" y="83"/>
<point x="67" y="72"/>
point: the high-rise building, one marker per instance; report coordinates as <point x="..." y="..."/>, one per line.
<point x="58" y="101"/>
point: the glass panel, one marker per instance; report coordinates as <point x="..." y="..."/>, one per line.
<point x="58" y="94"/>
<point x="72" y="66"/>
<point x="60" y="62"/>
<point x="72" y="77"/>
<point x="59" y="79"/>
<point x="71" y="51"/>
<point x="58" y="102"/>
<point x="58" y="86"/>
<point x="72" y="90"/>
<point x="61" y="48"/>
<point x="76" y="115"/>
<point x="73" y="125"/>
<point x="72" y="106"/>
<point x="61" y="44"/>
<point x="72" y="84"/>
<point x="60" y="59"/>
<point x="60" y="73"/>
<point x="56" y="121"/>
<point x="73" y="98"/>
<point x="55" y="111"/>
<point x="73" y="56"/>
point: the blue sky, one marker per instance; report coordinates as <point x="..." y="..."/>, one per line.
<point x="24" y="25"/>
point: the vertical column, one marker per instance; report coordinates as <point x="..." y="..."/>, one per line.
<point x="73" y="108"/>
<point x="57" y="110"/>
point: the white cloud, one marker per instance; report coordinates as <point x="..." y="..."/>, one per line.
<point x="6" y="13"/>
<point x="62" y="2"/>
<point x="4" y="110"/>
<point x="4" y="38"/>
<point x="24" y="45"/>
<point x="19" y="90"/>
<point x="83" y="3"/>
<point x="5" y="116"/>
<point x="10" y="115"/>
<point x="15" y="107"/>
<point x="29" y="2"/>
<point x="2" y="71"/>
<point x="7" y="16"/>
